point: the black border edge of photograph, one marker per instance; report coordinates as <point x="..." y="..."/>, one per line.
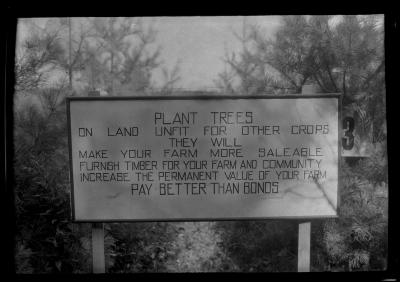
<point x="9" y="32"/>
<point x="392" y="35"/>
<point x="391" y="63"/>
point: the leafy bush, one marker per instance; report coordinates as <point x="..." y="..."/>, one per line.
<point x="139" y="247"/>
<point x="260" y="245"/>
<point x="46" y="239"/>
<point x="356" y="240"/>
<point x="199" y="249"/>
<point x="362" y="224"/>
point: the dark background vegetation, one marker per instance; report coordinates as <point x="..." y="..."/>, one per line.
<point x="347" y="57"/>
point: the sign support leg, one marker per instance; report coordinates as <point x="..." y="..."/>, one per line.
<point x="98" y="248"/>
<point x="303" y="259"/>
<point x="303" y="256"/>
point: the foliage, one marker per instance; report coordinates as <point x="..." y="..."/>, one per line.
<point x="38" y="54"/>
<point x="266" y="246"/>
<point x="170" y="78"/>
<point x="139" y="247"/>
<point x="356" y="240"/>
<point x="117" y="55"/>
<point x="46" y="238"/>
<point x="344" y="56"/>
<point x="363" y="216"/>
<point x="94" y="73"/>
<point x="74" y="58"/>
<point x="125" y="42"/>
<point x="22" y="263"/>
<point x="198" y="246"/>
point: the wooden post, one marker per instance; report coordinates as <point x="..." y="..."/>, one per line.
<point x="304" y="240"/>
<point x="303" y="258"/>
<point x="98" y="248"/>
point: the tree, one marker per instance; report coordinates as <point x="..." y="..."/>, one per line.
<point x="77" y="42"/>
<point x="38" y="55"/>
<point x="46" y="239"/>
<point x="94" y="72"/>
<point x="358" y="45"/>
<point x="246" y="72"/>
<point x="170" y="78"/>
<point x="340" y="54"/>
<point x="289" y="54"/>
<point x="139" y="62"/>
<point x="125" y="43"/>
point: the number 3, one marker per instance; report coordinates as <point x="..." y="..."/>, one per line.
<point x="348" y="127"/>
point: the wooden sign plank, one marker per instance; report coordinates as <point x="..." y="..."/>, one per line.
<point x="98" y="248"/>
<point x="304" y="244"/>
<point x="204" y="158"/>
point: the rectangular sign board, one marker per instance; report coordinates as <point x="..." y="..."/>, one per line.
<point x="203" y="158"/>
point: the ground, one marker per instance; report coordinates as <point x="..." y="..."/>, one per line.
<point x="197" y="248"/>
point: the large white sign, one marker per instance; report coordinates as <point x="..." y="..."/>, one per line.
<point x="203" y="158"/>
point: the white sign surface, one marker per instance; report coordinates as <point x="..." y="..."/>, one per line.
<point x="191" y="159"/>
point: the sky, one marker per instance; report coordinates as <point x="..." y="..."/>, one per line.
<point x="197" y="43"/>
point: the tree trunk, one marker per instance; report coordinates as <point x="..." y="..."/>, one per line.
<point x="70" y="54"/>
<point x="70" y="77"/>
<point x="112" y="73"/>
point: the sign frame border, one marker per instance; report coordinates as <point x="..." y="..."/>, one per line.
<point x="70" y="99"/>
